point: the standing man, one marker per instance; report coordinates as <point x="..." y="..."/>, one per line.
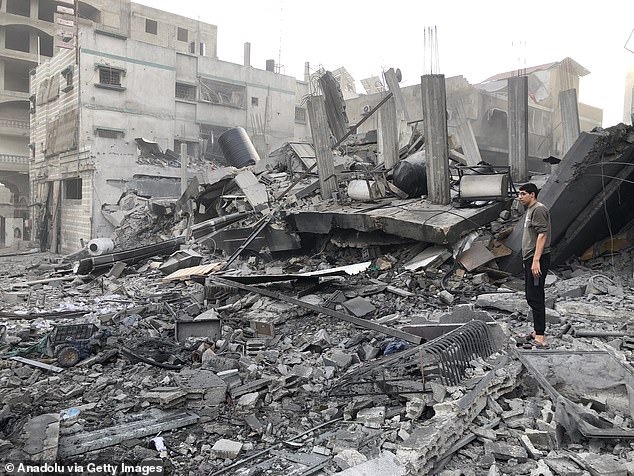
<point x="536" y="257"/>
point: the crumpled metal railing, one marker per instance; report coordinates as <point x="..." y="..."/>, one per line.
<point x="448" y="357"/>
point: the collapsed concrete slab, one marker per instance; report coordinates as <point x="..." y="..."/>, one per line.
<point x="415" y="219"/>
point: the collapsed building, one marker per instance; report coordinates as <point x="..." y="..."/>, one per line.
<point x="304" y="314"/>
<point x="343" y="304"/>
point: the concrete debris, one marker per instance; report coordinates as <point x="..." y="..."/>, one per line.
<point x="252" y="327"/>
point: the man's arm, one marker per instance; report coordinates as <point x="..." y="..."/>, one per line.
<point x="540" y="242"/>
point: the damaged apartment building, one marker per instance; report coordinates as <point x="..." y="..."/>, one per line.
<point x="110" y="116"/>
<point x="477" y="113"/>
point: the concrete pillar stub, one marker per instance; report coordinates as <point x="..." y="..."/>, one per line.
<point x="323" y="146"/>
<point x="183" y="167"/>
<point x="518" y="127"/>
<point x="435" y="126"/>
<point x="569" y="117"/>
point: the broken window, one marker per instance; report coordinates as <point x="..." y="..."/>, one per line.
<point x="109" y="133"/>
<point x="110" y="77"/>
<point x="192" y="47"/>
<point x="19" y="7"/>
<point x="72" y="188"/>
<point x="16" y="38"/>
<point x="181" y="34"/>
<point x="254" y="101"/>
<point x="185" y="91"/>
<point x="218" y="92"/>
<point x="203" y="49"/>
<point x="67" y="73"/>
<point x="151" y="26"/>
<point x="300" y="115"/>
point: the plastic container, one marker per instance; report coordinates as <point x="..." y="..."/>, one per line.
<point x="410" y="175"/>
<point x="99" y="246"/>
<point x="237" y="148"/>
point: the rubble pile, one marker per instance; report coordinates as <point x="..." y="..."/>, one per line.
<point x="275" y="387"/>
<point x="250" y="327"/>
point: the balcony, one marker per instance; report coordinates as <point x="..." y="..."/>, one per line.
<point x="11" y="127"/>
<point x="14" y="163"/>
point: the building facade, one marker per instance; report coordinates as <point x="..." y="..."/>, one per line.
<point x="153" y="76"/>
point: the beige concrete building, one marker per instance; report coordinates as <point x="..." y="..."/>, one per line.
<point x="140" y="73"/>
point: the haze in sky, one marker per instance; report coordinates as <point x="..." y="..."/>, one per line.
<point x="475" y="39"/>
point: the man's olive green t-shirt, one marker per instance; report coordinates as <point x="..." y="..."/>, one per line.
<point x="537" y="221"/>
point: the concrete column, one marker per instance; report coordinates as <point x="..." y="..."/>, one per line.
<point x="323" y="146"/>
<point x="388" y="146"/>
<point x="435" y="125"/>
<point x="2" y="66"/>
<point x="247" y="54"/>
<point x="392" y="84"/>
<point x="35" y="9"/>
<point x="518" y="127"/>
<point x="184" y="161"/>
<point x="306" y="72"/>
<point x="569" y="117"/>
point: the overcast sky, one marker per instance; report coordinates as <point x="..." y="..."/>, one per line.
<point x="475" y="39"/>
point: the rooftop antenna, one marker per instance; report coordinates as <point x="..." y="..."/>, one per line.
<point x="279" y="51"/>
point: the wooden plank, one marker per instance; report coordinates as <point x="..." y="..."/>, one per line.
<point x="147" y="424"/>
<point x="321" y="142"/>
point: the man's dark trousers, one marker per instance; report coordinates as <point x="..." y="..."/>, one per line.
<point x="535" y="292"/>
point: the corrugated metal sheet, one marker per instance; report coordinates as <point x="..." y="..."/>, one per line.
<point x="303" y="150"/>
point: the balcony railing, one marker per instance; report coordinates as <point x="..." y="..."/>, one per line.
<point x="14" y="159"/>
<point x="10" y="123"/>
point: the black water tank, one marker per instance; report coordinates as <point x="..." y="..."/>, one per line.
<point x="238" y="148"/>
<point x="410" y="175"/>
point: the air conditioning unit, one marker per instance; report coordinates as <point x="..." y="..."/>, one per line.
<point x="366" y="109"/>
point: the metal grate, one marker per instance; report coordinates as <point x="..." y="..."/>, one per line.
<point x="445" y="358"/>
<point x="448" y="357"/>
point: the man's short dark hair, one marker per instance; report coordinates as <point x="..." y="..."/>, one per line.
<point x="530" y="188"/>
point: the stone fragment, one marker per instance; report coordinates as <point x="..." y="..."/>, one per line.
<point x="338" y="359"/>
<point x="541" y="470"/>
<point x="226" y="449"/>
<point x="539" y="438"/>
<point x="349" y="458"/>
<point x="439" y="392"/>
<point x="321" y="450"/>
<point x="371" y="417"/>
<point x="505" y="451"/>
<point x="528" y="445"/>
<point x="383" y="465"/>
<point x="603" y="464"/>
<point x="563" y="466"/>
<point x="248" y="400"/>
<point x="485" y="433"/>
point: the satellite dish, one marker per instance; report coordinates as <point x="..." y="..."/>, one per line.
<point x="399" y="75"/>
